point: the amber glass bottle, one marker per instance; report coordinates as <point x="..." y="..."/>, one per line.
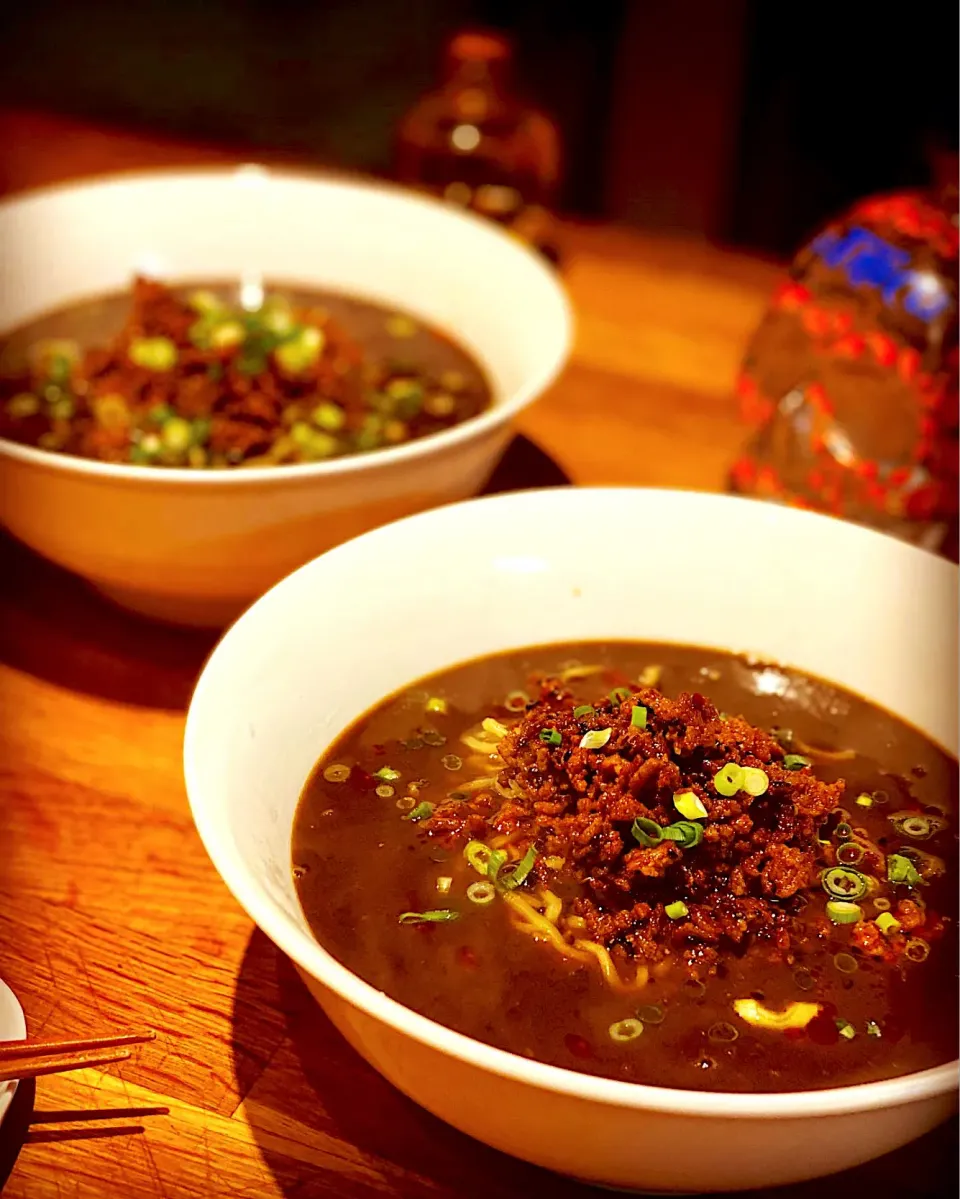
<point x="477" y="144"/>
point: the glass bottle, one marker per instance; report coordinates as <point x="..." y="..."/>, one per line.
<point x="850" y="383"/>
<point x="475" y="143"/>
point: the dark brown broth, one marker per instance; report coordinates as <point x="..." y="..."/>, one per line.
<point x="359" y="864"/>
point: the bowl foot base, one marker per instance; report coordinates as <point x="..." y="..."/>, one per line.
<point x="177" y="610"/>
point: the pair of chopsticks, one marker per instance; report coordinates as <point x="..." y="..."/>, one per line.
<point x="25" y="1059"/>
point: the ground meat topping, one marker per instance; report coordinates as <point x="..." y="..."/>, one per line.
<point x="577" y="802"/>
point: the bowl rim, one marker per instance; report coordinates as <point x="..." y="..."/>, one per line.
<point x="488" y="421"/>
<point x="307" y="953"/>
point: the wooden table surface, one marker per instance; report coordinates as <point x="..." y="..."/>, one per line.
<point x="110" y="913"/>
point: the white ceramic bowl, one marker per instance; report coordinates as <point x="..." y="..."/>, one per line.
<point x="320" y="649"/>
<point x="196" y="546"/>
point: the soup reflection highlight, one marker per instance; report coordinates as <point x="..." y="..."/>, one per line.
<point x="659" y="864"/>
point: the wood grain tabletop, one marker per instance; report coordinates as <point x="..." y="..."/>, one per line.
<point x="111" y="914"/>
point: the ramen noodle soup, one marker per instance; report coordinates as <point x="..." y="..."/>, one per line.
<point x="192" y="377"/>
<point x="659" y="864"/>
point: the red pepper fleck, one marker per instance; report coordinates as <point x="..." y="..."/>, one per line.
<point x="578" y="1046"/>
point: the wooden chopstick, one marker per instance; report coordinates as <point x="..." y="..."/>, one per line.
<point x="27" y="1067"/>
<point x="23" y="1059"/>
<point x="9" y="1049"/>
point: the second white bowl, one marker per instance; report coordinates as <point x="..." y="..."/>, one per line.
<point x="195" y="546"/>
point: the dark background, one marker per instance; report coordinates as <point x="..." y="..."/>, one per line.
<point x="744" y="121"/>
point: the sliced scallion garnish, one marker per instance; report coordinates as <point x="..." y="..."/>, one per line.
<point x="728" y="779"/>
<point x="638" y="717"/>
<point x="512" y="876"/>
<point x="481" y="893"/>
<point x="647" y="832"/>
<point x="687" y="833"/>
<point x="550" y="737"/>
<point x="902" y="871"/>
<point x="845" y="1029"/>
<point x="584" y="710"/>
<point x="677" y="910"/>
<point x="754" y="781"/>
<point x="420" y="812"/>
<point x="843" y="882"/>
<point x="690" y="805"/>
<point x="620" y="695"/>
<point x="842" y="911"/>
<point x="887" y="923"/>
<point x="622" y="1031"/>
<point x="796" y="761"/>
<point x="595" y="738"/>
<point x="436" y="916"/>
<point x="387" y="773"/>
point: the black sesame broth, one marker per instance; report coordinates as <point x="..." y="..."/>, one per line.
<point x="360" y="864"/>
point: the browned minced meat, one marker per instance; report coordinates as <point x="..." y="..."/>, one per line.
<point x="742" y="882"/>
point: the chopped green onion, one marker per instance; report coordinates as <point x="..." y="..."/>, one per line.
<point x="650" y="1014"/>
<point x="622" y="1031"/>
<point x="677" y="910"/>
<point x="177" y="434"/>
<point x="595" y="738"/>
<point x="302" y="350"/>
<point x="843" y="831"/>
<point x="481" y="893"/>
<point x="444" y="883"/>
<point x="205" y="302"/>
<point x="329" y="417"/>
<point x="887" y="923"/>
<point x="387" y="773"/>
<point x="583" y="710"/>
<point x="916" y="826"/>
<point x="225" y="334"/>
<point x="420" y="812"/>
<point x="843" y="882"/>
<point x="728" y="779"/>
<point x="850" y="853"/>
<point x="873" y="1029"/>
<point x="916" y="949"/>
<point x="478" y="855"/>
<point x="517" y="701"/>
<point x="882" y="904"/>
<point x="437" y="705"/>
<point x="620" y="695"/>
<point x="385" y="791"/>
<point x="690" y="805"/>
<point x="336" y="773"/>
<point x="513" y="876"/>
<point x="722" y="1032"/>
<point x="846" y="1029"/>
<point x="551" y="737"/>
<point x="153" y="353"/>
<point x="796" y="762"/>
<point x="451" y="762"/>
<point x="647" y="832"/>
<point x="638" y="717"/>
<point x="754" y="781"/>
<point x="901" y="870"/>
<point x="846" y="963"/>
<point x="686" y="833"/>
<point x="433" y="737"/>
<point x="437" y="916"/>
<point x="842" y="911"/>
<point x="864" y="801"/>
<point x="494" y="862"/>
